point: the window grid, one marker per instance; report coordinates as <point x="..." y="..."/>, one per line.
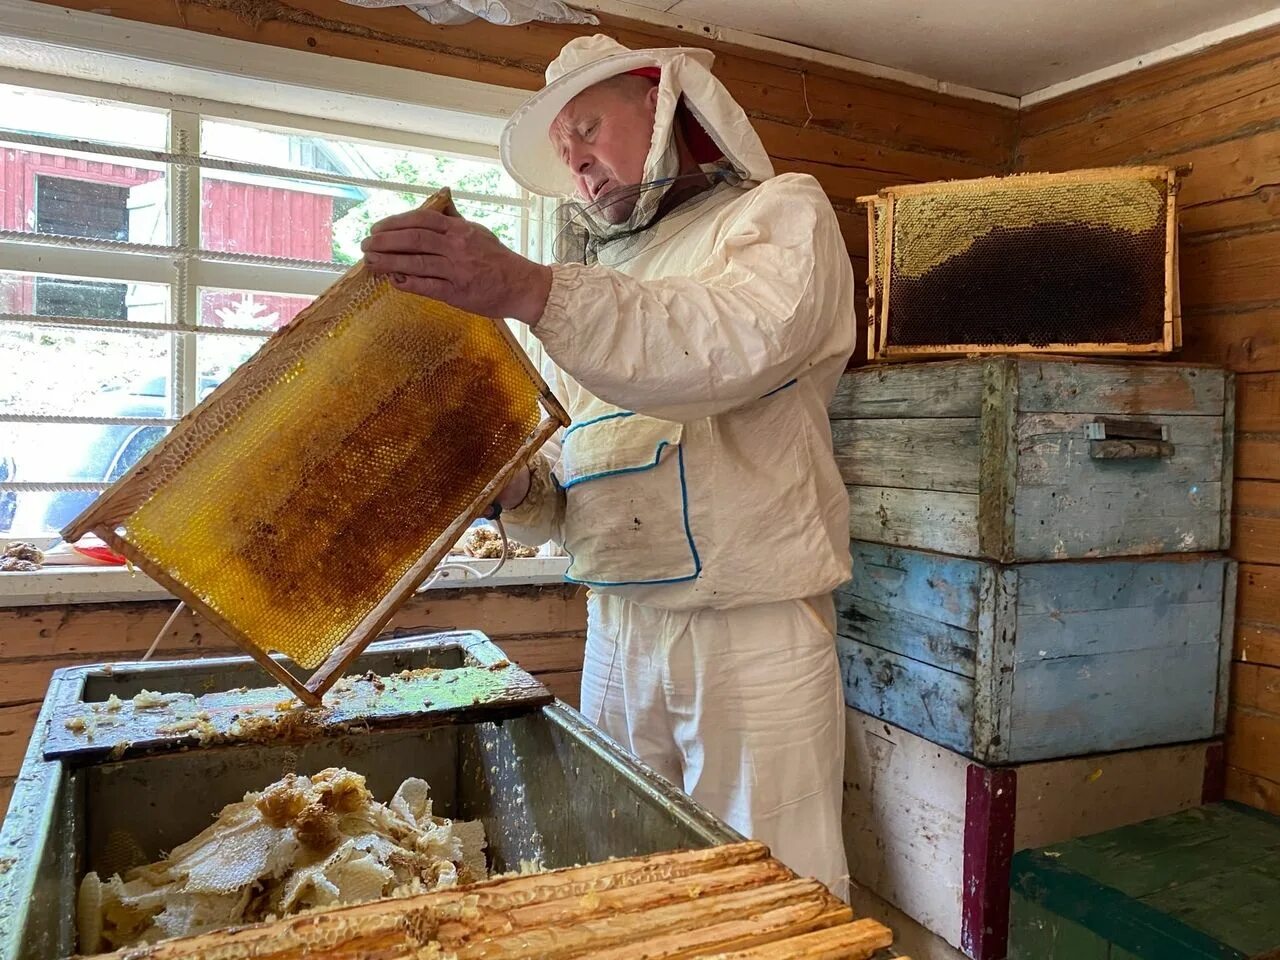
<point x="185" y="268"/>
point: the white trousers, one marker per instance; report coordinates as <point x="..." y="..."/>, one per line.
<point x="742" y="709"/>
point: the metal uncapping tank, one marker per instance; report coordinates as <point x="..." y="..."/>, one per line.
<point x="491" y="742"/>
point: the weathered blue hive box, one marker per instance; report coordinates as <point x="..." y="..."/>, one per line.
<point x="1031" y="661"/>
<point x="1203" y="884"/>
<point x="1016" y="459"/>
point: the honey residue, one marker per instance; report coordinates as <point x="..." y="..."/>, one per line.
<point x="300" y="844"/>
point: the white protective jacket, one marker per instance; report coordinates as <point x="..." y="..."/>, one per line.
<point x="697" y="369"/>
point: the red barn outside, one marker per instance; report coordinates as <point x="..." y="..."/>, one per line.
<point x="52" y="193"/>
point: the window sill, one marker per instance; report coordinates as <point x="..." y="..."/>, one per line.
<point x="65" y="585"/>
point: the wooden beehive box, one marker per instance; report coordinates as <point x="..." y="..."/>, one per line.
<point x="1203" y="884"/>
<point x="1017" y="458"/>
<point x="1038" y="660"/>
<point x="933" y="832"/>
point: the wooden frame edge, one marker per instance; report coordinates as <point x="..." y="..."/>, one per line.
<point x="1226" y="521"/>
<point x="1227" y="637"/>
<point x="1031" y="179"/>
<point x="179" y="590"/>
<point x="872" y="306"/>
<point x="1172" y="336"/>
<point x="1154" y="348"/>
<point x="549" y="401"/>
<point x="886" y="268"/>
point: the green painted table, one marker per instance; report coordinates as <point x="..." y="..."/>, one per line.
<point x="1200" y="884"/>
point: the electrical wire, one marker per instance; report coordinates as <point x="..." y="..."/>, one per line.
<point x="467" y="565"/>
<point x="163" y="630"/>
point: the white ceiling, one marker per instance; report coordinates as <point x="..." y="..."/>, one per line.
<point x="1013" y="47"/>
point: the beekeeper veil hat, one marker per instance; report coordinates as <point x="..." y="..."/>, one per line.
<point x="714" y="126"/>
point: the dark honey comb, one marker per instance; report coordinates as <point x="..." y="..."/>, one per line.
<point x="1040" y="262"/>
<point x="1085" y="284"/>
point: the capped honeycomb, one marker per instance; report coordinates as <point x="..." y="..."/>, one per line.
<point x="1033" y="262"/>
<point x="307" y="488"/>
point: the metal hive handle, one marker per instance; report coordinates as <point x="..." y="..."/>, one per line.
<point x="1128" y="440"/>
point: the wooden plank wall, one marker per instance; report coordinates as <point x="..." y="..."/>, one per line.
<point x="543" y="629"/>
<point x="1217" y="111"/>
<point x="853" y="133"/>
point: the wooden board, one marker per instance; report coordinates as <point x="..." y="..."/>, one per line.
<point x="920" y="832"/>
<point x="1068" y="504"/>
<point x="1231" y="269"/>
<point x="939" y="703"/>
<point x="1257" y="521"/>
<point x="541" y="655"/>
<point x="1246" y="339"/>
<point x="1258" y="427"/>
<point x="904" y="822"/>
<point x="16" y="724"/>
<point x="1019" y="480"/>
<point x="1199" y="884"/>
<point x="914" y="454"/>
<point x="35" y="641"/>
<point x="945" y="522"/>
<point x="84" y="633"/>
<point x="726" y="902"/>
<point x="1167" y="81"/>
<point x="1254" y="742"/>
<point x="1034" y="661"/>
<point x="1258" y="613"/>
<point x="1046" y="386"/>
<point x="1174" y="777"/>
<point x="946" y="389"/>
<point x="1251" y="789"/>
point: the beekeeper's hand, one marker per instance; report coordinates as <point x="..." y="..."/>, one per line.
<point x="459" y="262"/>
<point x="514" y="493"/>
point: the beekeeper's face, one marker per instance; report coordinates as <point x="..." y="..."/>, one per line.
<point x="603" y="136"/>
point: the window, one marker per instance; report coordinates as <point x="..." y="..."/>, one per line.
<point x="146" y="252"/>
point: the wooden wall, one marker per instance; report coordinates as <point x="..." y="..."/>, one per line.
<point x="855" y="134"/>
<point x="1220" y="112"/>
<point x="1217" y="110"/>
<point x="543" y="629"/>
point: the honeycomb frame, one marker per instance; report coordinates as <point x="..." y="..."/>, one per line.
<point x="309" y="462"/>
<point x="883" y="246"/>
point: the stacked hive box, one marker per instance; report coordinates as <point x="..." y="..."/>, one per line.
<point x="1036" y="636"/>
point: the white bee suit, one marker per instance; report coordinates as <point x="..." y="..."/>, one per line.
<point x="696" y="491"/>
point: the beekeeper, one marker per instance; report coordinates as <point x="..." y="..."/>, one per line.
<point x="698" y="334"/>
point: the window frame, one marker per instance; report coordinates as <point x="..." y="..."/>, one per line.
<point x="38" y="254"/>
